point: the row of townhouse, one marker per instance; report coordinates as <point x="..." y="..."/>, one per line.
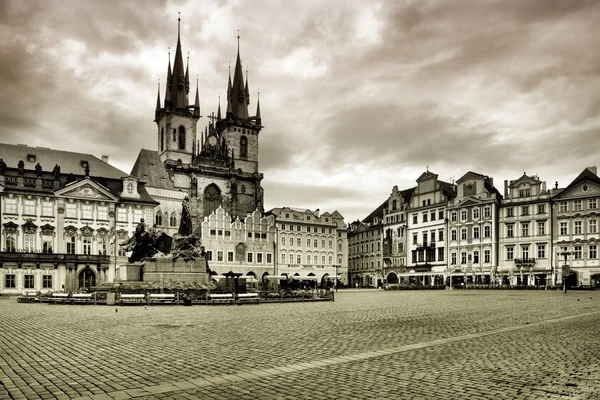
<point x="449" y="233"/>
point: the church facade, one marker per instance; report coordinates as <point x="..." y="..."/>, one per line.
<point x="216" y="167"/>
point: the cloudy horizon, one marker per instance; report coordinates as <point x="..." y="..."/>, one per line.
<point x="355" y="96"/>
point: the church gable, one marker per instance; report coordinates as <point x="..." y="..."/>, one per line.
<point x="583" y="189"/>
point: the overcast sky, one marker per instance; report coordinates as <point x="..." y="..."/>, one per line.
<point x="356" y="96"/>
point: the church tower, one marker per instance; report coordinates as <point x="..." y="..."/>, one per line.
<point x="176" y="118"/>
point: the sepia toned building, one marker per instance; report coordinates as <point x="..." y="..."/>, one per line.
<point x="365" y="240"/>
<point x="63" y="216"/>
<point x="473" y="230"/>
<point x="395" y="233"/>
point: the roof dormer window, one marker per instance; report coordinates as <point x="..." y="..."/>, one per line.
<point x="31" y="157"/>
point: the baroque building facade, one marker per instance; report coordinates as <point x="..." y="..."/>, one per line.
<point x="365" y="240"/>
<point x="61" y="227"/>
<point x="395" y="233"/>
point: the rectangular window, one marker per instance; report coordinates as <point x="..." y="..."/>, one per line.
<point x="9" y="281"/>
<point x="463" y="257"/>
<point x="432" y="216"/>
<point x="298" y="259"/>
<point x="307" y="242"/>
<point x="475" y="232"/>
<point x="47" y="209"/>
<point x="463" y="215"/>
<point x="453" y="237"/>
<point x="415" y="238"/>
<point x="269" y="258"/>
<point x="29" y="282"/>
<point x="214" y="232"/>
<point x="441" y="214"/>
<point x="475" y="213"/>
<point x="441" y="235"/>
<point x="525" y="229"/>
<point x="510" y="212"/>
<point x="29" y="207"/>
<point x="282" y="258"/>
<point x="592" y="204"/>
<point x="47" y="243"/>
<point x="487" y="231"/>
<point x="541" y="209"/>
<point x="453" y="258"/>
<point x="230" y="256"/>
<point x="415" y="219"/>
<point x="541" y="228"/>
<point x="421" y="255"/>
<point x="524" y="192"/>
<point x="510" y="253"/>
<point x="10" y="243"/>
<point x="10" y="206"/>
<point x="425" y="215"/>
<point x="562" y="206"/>
<point x="316" y="243"/>
<point x="29" y="242"/>
<point x="440" y="254"/>
<point x="209" y="256"/>
<point x="308" y="259"/>
<point x="577" y="253"/>
<point x="259" y="258"/>
<point x="510" y="230"/>
<point x="71" y="245"/>
<point x="525" y="251"/>
<point x="47" y="281"/>
<point x="103" y="213"/>
<point x="323" y="244"/>
<point x="432" y="236"/>
<point x="577" y="205"/>
<point x="453" y="216"/>
<point x="487" y="256"/>
<point x="87" y="245"/>
<point x="525" y="210"/>
<point x="592" y="226"/>
<point x="541" y="251"/>
<point x="249" y="257"/>
<point x="331" y="244"/>
<point x="102" y="247"/>
<point x="137" y="215"/>
<point x="330" y="260"/>
<point x="577" y="228"/>
<point x="563" y="228"/>
<point x="593" y="251"/>
<point x="298" y="228"/>
<point x="86" y="211"/>
<point x="220" y="255"/>
<point x="71" y="210"/>
<point x="487" y="212"/>
<point x="121" y="214"/>
<point x="476" y="257"/>
<point x="120" y="249"/>
<point x="463" y="234"/>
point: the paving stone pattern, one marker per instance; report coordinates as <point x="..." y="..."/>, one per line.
<point x="365" y="345"/>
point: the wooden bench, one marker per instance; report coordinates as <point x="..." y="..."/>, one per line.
<point x="28" y="297"/>
<point x="138" y="298"/>
<point x="60" y="298"/>
<point x="248" y="298"/>
<point x="161" y="298"/>
<point x="221" y="298"/>
<point x="81" y="298"/>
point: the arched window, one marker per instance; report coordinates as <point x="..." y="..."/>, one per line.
<point x="158" y="219"/>
<point x="181" y="138"/>
<point x="173" y="220"/>
<point x="212" y="199"/>
<point x="162" y="139"/>
<point x="243" y="146"/>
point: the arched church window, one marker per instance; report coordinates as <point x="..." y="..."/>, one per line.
<point x="181" y="138"/>
<point x="243" y="146"/>
<point x="158" y="219"/>
<point x="173" y="220"/>
<point x="162" y="139"/>
<point x="212" y="199"/>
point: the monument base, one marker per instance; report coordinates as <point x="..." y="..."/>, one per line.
<point x="174" y="270"/>
<point x="130" y="272"/>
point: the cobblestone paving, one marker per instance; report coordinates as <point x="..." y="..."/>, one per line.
<point x="366" y="344"/>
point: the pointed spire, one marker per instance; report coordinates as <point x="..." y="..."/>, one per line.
<point x="158" y="97"/>
<point x="197" y="102"/>
<point x="246" y="89"/>
<point x="178" y="92"/>
<point x="258" y="107"/>
<point x="238" y="96"/>
<point x="168" y="84"/>
<point x="187" y="73"/>
<point x="219" y="109"/>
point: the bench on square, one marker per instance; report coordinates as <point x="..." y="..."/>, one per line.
<point x="248" y="298"/>
<point x="138" y="298"/>
<point x="28" y="296"/>
<point x="161" y="298"/>
<point x="221" y="298"/>
<point x="60" y="298"/>
<point x="81" y="298"/>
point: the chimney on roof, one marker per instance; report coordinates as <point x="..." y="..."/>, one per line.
<point x="593" y="169"/>
<point x="544" y="187"/>
<point x="556" y="185"/>
<point x="105" y="159"/>
<point x="506" y="188"/>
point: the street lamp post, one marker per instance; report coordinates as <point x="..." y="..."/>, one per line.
<point x="565" y="270"/>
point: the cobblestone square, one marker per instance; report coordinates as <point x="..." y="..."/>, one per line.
<point x="368" y="344"/>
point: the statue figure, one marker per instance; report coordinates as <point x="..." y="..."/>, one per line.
<point x="145" y="243"/>
<point x="21" y="167"/>
<point x="185" y="227"/>
<point x="2" y="166"/>
<point x="87" y="170"/>
<point x="38" y="169"/>
<point x="56" y="172"/>
<point x="71" y="178"/>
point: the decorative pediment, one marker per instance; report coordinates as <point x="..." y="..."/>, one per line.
<point x="524" y="180"/>
<point x="469" y="176"/>
<point x="102" y="232"/>
<point x="86" y="189"/>
<point x="47" y="229"/>
<point x="29" y="227"/>
<point x="87" y="231"/>
<point x="469" y="202"/>
<point x="10" y="227"/>
<point x="122" y="234"/>
<point x="70" y="230"/>
<point x="584" y="189"/>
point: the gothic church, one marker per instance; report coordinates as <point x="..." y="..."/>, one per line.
<point x="215" y="167"/>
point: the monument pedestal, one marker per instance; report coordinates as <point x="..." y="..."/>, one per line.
<point x="165" y="269"/>
<point x="130" y="272"/>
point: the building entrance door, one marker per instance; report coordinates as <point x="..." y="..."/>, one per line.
<point x="87" y="279"/>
